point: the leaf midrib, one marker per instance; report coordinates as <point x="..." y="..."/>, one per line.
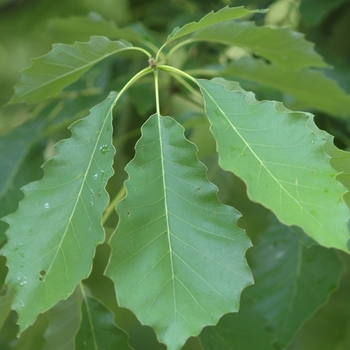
<point x="166" y="209"/>
<point x="86" y="66"/>
<point x="261" y="162"/>
<point x="84" y="182"/>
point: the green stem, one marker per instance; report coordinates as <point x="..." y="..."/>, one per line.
<point x="176" y="47"/>
<point x="136" y="77"/>
<point x="205" y="72"/>
<point x="112" y="205"/>
<point x="140" y="49"/>
<point x="157" y="90"/>
<point x="184" y="83"/>
<point x="177" y="71"/>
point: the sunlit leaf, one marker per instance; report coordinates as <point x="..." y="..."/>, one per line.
<point x="225" y="14"/>
<point x="177" y="255"/>
<point x="64" y="64"/>
<point x="281" y="160"/>
<point x="311" y="87"/>
<point x="291" y="281"/>
<point x="281" y="46"/>
<point x="97" y="330"/>
<point x="53" y="234"/>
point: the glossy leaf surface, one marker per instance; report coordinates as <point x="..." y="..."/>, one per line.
<point x="53" y="234"/>
<point x="63" y="65"/>
<point x="177" y="254"/>
<point x="281" y="46"/>
<point x="281" y="160"/>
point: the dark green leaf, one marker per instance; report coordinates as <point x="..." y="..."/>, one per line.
<point x="5" y="304"/>
<point x="82" y="28"/>
<point x="243" y="330"/>
<point x="65" y="319"/>
<point x="291" y="281"/>
<point x="97" y="330"/>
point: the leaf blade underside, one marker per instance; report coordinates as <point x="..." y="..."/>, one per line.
<point x="54" y="232"/>
<point x="177" y="255"/>
<point x="281" y="160"/>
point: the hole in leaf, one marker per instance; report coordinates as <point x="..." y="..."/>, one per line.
<point x="42" y="273"/>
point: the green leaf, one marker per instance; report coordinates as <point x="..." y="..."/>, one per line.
<point x="97" y="329"/>
<point x="32" y="338"/>
<point x="232" y="331"/>
<point x="340" y="160"/>
<point x="177" y="254"/>
<point x="53" y="234"/>
<point x="281" y="46"/>
<point x="82" y="28"/>
<point x="5" y="305"/>
<point x="291" y="280"/>
<point x="65" y="318"/>
<point x="281" y="160"/>
<point x="64" y="64"/>
<point x="225" y="14"/>
<point x="311" y="87"/>
<point x="314" y="11"/>
<point x="20" y="164"/>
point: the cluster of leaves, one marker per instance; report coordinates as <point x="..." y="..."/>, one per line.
<point x="177" y="257"/>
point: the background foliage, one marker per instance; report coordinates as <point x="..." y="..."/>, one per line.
<point x="29" y="28"/>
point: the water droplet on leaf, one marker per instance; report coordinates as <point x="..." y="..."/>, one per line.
<point x="104" y="149"/>
<point x="47" y="205"/>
